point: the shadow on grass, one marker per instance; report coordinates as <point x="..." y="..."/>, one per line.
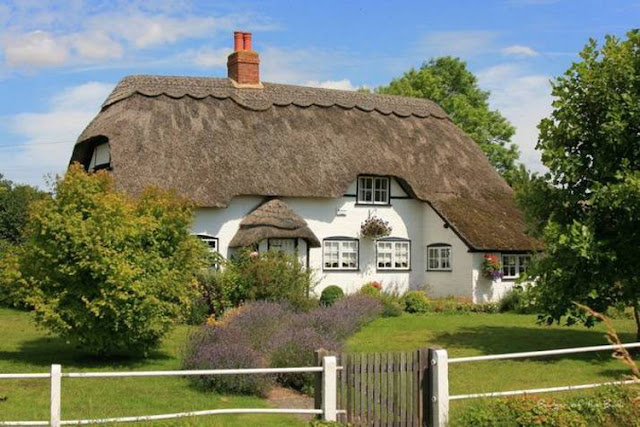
<point x="513" y="339"/>
<point x="48" y="350"/>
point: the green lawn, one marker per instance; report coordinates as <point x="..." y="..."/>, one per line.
<point x="477" y="334"/>
<point x="23" y="348"/>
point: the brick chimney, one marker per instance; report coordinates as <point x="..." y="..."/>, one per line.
<point x="243" y="65"/>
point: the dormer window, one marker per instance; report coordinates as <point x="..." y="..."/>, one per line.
<point x="101" y="157"/>
<point x="373" y="190"/>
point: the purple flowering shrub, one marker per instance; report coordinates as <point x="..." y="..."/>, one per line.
<point x="273" y="334"/>
<point x="257" y="322"/>
<point x="220" y="348"/>
<point x="294" y="346"/>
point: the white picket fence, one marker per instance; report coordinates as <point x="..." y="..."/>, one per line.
<point x="329" y="410"/>
<point x="438" y="393"/>
<point x="439" y="377"/>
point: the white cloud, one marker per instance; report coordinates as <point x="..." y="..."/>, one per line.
<point x="50" y="136"/>
<point x="456" y="43"/>
<point x="144" y="31"/>
<point x="36" y="35"/>
<point x="343" y="84"/>
<point x="34" y="49"/>
<point x="301" y="66"/>
<point x="519" y="50"/>
<point x="210" y="58"/>
<point x="524" y="99"/>
<point x="96" y="45"/>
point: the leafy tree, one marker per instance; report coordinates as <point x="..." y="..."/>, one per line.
<point x="108" y="271"/>
<point x="447" y="82"/>
<point x="14" y="208"/>
<point x="587" y="208"/>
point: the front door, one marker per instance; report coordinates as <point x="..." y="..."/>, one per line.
<point x="288" y="246"/>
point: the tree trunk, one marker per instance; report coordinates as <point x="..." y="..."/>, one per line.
<point x="636" y="315"/>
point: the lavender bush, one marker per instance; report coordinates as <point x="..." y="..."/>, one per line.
<point x="219" y="348"/>
<point x="274" y="334"/>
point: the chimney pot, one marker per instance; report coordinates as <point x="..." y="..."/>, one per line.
<point x="247" y="40"/>
<point x="238" y="41"/>
<point x="243" y="65"/>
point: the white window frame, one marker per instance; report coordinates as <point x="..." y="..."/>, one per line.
<point x="440" y="249"/>
<point x="368" y="185"/>
<point x="393" y="251"/>
<point x="343" y="247"/>
<point x="208" y="239"/>
<point x="98" y="149"/>
<point x="519" y="266"/>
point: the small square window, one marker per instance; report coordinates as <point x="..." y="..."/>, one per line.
<point x="373" y="190"/>
<point x="514" y="265"/>
<point x="340" y="254"/>
<point x="439" y="257"/>
<point x="393" y="255"/>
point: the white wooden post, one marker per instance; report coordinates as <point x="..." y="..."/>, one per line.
<point x="439" y="362"/>
<point x="56" y="386"/>
<point x="329" y="388"/>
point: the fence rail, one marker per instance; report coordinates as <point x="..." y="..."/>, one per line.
<point x="440" y="361"/>
<point x="404" y="389"/>
<point x="328" y="411"/>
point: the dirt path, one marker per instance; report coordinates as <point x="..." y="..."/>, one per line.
<point x="286" y="398"/>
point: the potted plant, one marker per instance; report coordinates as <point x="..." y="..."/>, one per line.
<point x="492" y="267"/>
<point x="375" y="228"/>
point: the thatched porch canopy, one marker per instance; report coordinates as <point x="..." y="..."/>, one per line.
<point x="273" y="220"/>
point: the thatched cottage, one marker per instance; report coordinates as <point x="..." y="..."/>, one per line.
<point x="299" y="169"/>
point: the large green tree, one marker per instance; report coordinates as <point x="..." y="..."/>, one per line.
<point x="447" y="82"/>
<point x="14" y="208"/>
<point x="107" y="271"/>
<point x="587" y="208"/>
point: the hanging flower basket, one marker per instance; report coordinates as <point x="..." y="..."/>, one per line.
<point x="492" y="267"/>
<point x="375" y="228"/>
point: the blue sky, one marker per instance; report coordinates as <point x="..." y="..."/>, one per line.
<point x="59" y="60"/>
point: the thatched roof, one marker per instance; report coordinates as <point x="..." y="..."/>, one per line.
<point x="272" y="220"/>
<point x="213" y="141"/>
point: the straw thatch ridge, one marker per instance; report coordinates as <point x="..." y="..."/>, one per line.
<point x="271" y="94"/>
<point x="213" y="142"/>
<point x="272" y="220"/>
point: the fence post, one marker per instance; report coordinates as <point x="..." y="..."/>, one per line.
<point x="317" y="389"/>
<point x="329" y="388"/>
<point x="56" y="386"/>
<point x="439" y="387"/>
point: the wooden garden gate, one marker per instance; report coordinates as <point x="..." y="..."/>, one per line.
<point x="381" y="389"/>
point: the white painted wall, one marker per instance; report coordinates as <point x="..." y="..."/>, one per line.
<point x="458" y="281"/>
<point x="409" y="218"/>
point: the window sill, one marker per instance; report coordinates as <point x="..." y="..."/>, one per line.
<point x="392" y="270"/>
<point x="382" y="205"/>
<point x="340" y="270"/>
<point x="439" y="270"/>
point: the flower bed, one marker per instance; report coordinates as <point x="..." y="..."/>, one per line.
<point x="273" y="334"/>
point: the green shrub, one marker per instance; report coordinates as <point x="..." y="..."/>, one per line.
<point x="611" y="406"/>
<point x="331" y="294"/>
<point x="269" y="276"/>
<point x="107" y="271"/>
<point x="392" y="307"/>
<point x="416" y="302"/>
<point x="372" y="289"/>
<point x="519" y="300"/>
